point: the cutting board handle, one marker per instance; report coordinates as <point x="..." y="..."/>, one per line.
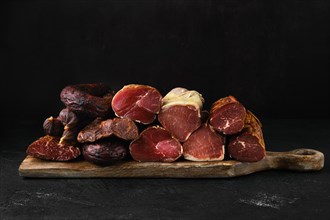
<point x="302" y="159"/>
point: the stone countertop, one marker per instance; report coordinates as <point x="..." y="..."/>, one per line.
<point x="273" y="194"/>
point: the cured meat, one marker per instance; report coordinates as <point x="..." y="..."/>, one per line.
<point x="155" y="144"/>
<point x="104" y="152"/>
<point x="72" y="125"/>
<point x="205" y="144"/>
<point x="53" y="127"/>
<point x="139" y="103"/>
<point x="96" y="130"/>
<point x="50" y="148"/>
<point x="124" y="128"/>
<point x="249" y="145"/>
<point x="227" y="115"/>
<point x="93" y="100"/>
<point x="181" y="112"/>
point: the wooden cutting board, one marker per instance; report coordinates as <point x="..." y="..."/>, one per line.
<point x="298" y="160"/>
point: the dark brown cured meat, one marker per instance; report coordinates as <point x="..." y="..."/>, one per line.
<point x="49" y="148"/>
<point x="227" y="115"/>
<point x="93" y="100"/>
<point x="181" y="112"/>
<point x="72" y="125"/>
<point x="205" y="144"/>
<point x="249" y="145"/>
<point x="53" y="127"/>
<point x="105" y="151"/>
<point x="96" y="130"/>
<point x="155" y="144"/>
<point x="139" y="103"/>
<point x="124" y="128"/>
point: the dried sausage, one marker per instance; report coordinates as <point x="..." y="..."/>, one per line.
<point x="91" y="99"/>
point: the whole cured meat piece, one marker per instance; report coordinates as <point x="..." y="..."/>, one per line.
<point x="181" y="112"/>
<point x="205" y="144"/>
<point x="155" y="144"/>
<point x="96" y="130"/>
<point x="105" y="151"/>
<point x="227" y="115"/>
<point x="139" y="103"/>
<point x="50" y="148"/>
<point x="249" y="145"/>
<point x="93" y="100"/>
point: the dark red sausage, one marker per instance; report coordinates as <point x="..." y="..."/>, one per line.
<point x="249" y="145"/>
<point x="227" y="115"/>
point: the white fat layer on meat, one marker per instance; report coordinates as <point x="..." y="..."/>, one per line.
<point x="182" y="96"/>
<point x="192" y="158"/>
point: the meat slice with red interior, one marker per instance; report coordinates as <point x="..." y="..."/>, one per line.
<point x="139" y="103"/>
<point x="181" y="112"/>
<point x="50" y="148"/>
<point x="227" y="115"/>
<point x="155" y="144"/>
<point x="205" y="144"/>
<point x="249" y="145"/>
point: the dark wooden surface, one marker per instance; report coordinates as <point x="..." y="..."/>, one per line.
<point x="302" y="159"/>
<point x="265" y="195"/>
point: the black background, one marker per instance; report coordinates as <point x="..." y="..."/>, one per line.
<point x="272" y="55"/>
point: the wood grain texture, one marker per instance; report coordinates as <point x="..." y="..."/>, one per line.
<point x="298" y="160"/>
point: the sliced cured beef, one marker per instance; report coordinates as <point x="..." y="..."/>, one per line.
<point x="50" y="148"/>
<point x="249" y="145"/>
<point x="96" y="130"/>
<point x="105" y="151"/>
<point x="155" y="144"/>
<point x="227" y="115"/>
<point x="93" y="100"/>
<point x="181" y="112"/>
<point x="139" y="103"/>
<point x="205" y="144"/>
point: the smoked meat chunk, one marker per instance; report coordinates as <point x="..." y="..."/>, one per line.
<point x="181" y="112"/>
<point x="249" y="145"/>
<point x="227" y="115"/>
